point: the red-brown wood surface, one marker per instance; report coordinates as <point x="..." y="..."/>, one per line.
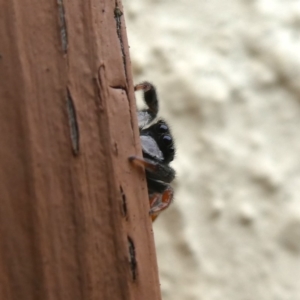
<point x="74" y="218"/>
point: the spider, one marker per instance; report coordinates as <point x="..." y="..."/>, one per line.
<point x="158" y="151"/>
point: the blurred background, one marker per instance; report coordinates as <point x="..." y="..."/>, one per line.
<point x="228" y="77"/>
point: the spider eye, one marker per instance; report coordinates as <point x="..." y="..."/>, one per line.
<point x="163" y="128"/>
<point x="167" y="147"/>
<point x="167" y="140"/>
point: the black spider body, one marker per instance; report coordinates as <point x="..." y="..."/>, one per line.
<point x="158" y="151"/>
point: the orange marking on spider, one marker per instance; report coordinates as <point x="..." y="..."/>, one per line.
<point x="160" y="202"/>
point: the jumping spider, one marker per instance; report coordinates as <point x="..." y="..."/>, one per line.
<point x="158" y="151"/>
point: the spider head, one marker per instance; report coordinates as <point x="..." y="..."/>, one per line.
<point x="161" y="140"/>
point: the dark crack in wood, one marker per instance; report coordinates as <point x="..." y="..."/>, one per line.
<point x="132" y="258"/>
<point x="118" y="14"/>
<point x="124" y="204"/>
<point x="63" y="26"/>
<point x="118" y="87"/>
<point x="74" y="131"/>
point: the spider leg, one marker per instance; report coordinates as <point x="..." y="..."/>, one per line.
<point x="150" y="96"/>
<point x="156" y="170"/>
<point x="145" y="116"/>
<point x="159" y="202"/>
<point x="142" y="162"/>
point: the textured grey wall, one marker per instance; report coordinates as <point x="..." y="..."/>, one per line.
<point x="228" y="76"/>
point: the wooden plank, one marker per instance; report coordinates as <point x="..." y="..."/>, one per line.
<point x="74" y="218"/>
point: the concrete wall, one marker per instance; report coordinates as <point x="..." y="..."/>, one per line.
<point x="228" y="76"/>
